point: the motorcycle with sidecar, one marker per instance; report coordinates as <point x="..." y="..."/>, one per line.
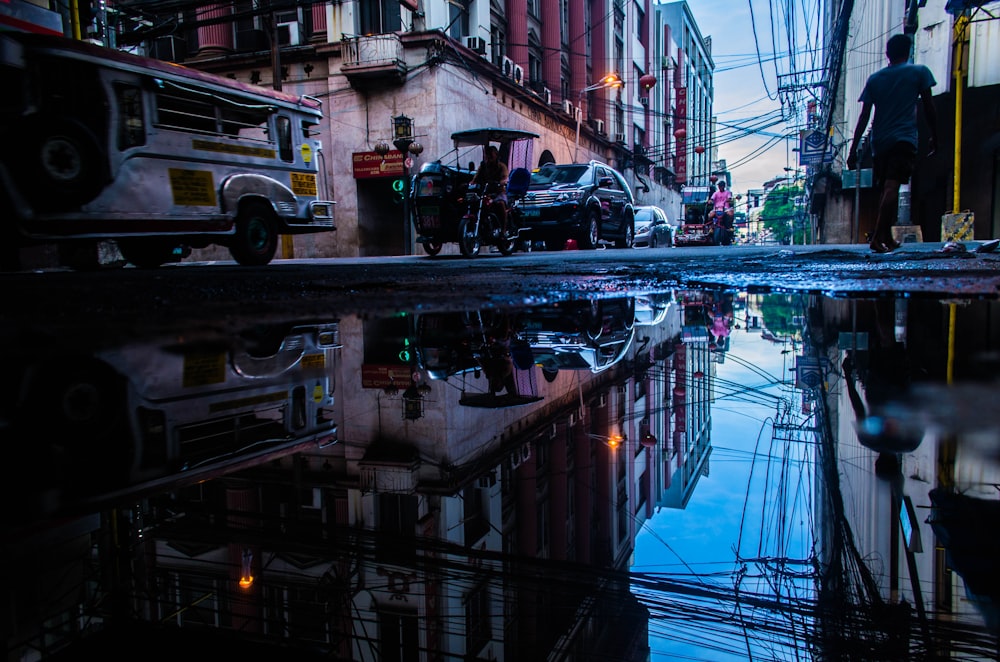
<point x="446" y="209"/>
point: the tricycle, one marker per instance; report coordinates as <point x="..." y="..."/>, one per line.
<point x="442" y="197"/>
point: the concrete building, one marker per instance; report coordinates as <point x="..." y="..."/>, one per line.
<point x="964" y="173"/>
<point x="526" y="64"/>
<point x="694" y="94"/>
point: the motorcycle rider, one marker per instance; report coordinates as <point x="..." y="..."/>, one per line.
<point x="494" y="171"/>
<point x="721" y="200"/>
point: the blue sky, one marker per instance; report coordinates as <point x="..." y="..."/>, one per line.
<point x="736" y="504"/>
<point x="747" y="87"/>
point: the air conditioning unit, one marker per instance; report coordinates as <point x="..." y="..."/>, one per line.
<point x="599" y="126"/>
<point x="567" y="107"/>
<point x="619" y="137"/>
<point x="547" y="95"/>
<point x="507" y="66"/>
<point x="518" y="74"/>
<point x="520" y="456"/>
<point x="477" y="44"/>
<point x="288" y="34"/>
<point x="644" y="101"/>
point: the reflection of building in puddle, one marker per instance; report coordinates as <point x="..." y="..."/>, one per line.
<point x="912" y="467"/>
<point x="469" y="531"/>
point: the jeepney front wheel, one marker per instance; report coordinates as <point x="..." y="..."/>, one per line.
<point x="432" y="248"/>
<point x="256" y="238"/>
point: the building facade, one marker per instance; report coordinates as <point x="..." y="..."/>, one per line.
<point x="535" y="65"/>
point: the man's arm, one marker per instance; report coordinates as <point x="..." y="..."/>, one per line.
<point x="931" y="114"/>
<point x="859" y="131"/>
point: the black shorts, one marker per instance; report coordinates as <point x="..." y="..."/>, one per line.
<point x="895" y="163"/>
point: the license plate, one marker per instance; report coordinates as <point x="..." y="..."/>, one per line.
<point x="531" y="213"/>
<point x="430" y="221"/>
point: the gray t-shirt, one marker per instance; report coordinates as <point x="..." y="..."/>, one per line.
<point x="894" y="91"/>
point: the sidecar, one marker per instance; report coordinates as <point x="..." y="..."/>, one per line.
<point x="438" y="190"/>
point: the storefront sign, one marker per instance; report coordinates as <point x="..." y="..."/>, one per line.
<point x="384" y="376"/>
<point x="680" y="121"/>
<point x="369" y="164"/>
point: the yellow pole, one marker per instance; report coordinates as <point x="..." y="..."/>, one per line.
<point x="74" y="19"/>
<point x="950" y="372"/>
<point x="961" y="27"/>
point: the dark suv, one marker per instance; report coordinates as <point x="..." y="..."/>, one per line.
<point x="588" y="202"/>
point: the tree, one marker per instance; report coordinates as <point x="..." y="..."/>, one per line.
<point x="781" y="212"/>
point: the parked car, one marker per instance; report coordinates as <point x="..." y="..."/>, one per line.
<point x="589" y="202"/>
<point x="652" y="227"/>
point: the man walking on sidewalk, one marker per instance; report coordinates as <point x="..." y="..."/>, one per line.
<point x="894" y="91"/>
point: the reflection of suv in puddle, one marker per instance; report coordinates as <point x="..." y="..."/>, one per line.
<point x="579" y="335"/>
<point x="589" y="202"/>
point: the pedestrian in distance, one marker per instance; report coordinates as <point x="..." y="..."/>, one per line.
<point x="893" y="92"/>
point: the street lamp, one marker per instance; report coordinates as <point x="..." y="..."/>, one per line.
<point x="611" y="80"/>
<point x="402" y="138"/>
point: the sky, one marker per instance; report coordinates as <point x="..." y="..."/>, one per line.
<point x="737" y="505"/>
<point x="747" y="95"/>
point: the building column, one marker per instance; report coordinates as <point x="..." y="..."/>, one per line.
<point x="517" y="35"/>
<point x="577" y="49"/>
<point x="600" y="10"/>
<point x="551" y="44"/>
<point x="319" y="22"/>
<point x="216" y="37"/>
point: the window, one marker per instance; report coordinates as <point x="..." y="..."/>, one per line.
<point x="244" y="122"/>
<point x="184" y="114"/>
<point x="284" y="126"/>
<point x="380" y="17"/>
<point x="477" y="619"/>
<point x="131" y="123"/>
<point x="399" y="640"/>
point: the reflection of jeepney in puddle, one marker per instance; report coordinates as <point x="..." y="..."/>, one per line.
<point x="144" y="413"/>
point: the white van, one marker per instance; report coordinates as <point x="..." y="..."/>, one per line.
<point x="101" y="144"/>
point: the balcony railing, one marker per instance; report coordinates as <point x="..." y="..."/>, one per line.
<point x="379" y="50"/>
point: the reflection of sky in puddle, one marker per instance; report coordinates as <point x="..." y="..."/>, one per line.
<point x="357" y="458"/>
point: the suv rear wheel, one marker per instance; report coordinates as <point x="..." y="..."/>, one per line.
<point x="628" y="236"/>
<point x="591" y="235"/>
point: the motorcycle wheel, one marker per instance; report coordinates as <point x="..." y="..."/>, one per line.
<point x="504" y="243"/>
<point x="468" y="237"/>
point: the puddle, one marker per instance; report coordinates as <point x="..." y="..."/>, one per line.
<point x="705" y="474"/>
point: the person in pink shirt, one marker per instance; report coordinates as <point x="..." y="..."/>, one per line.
<point x="721" y="200"/>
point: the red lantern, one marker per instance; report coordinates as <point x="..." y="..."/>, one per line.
<point x="648" y="441"/>
<point x="699" y="150"/>
<point x="647" y="81"/>
<point x="713" y="178"/>
<point x="680" y="134"/>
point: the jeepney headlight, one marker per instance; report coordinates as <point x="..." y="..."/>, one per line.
<point x="321" y="209"/>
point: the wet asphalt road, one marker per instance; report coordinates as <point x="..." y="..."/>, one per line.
<point x="116" y="301"/>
